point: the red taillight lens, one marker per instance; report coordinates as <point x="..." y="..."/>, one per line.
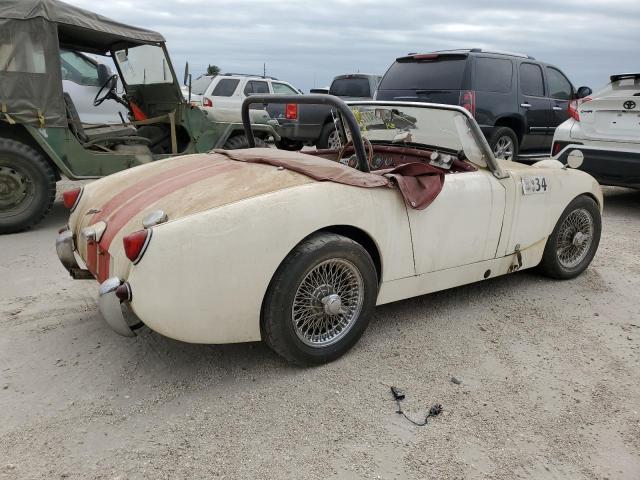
<point x="291" y="111"/>
<point x="573" y="111"/>
<point x="425" y="56"/>
<point x="556" y="148"/>
<point x="136" y="243"/>
<point x="206" y="102"/>
<point x="70" y="198"/>
<point x="468" y="101"/>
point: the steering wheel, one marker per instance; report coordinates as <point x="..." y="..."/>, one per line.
<point x="110" y="86"/>
<point x="367" y="145"/>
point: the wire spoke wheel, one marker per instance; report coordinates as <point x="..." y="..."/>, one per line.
<point x="327" y="302"/>
<point x="504" y="148"/>
<point x="574" y="238"/>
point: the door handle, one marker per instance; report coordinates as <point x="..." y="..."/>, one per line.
<point x="525" y="105"/>
<point x="556" y="108"/>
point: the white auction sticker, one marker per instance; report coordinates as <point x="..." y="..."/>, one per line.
<point x="531" y="185"/>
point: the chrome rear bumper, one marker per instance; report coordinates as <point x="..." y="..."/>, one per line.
<point x="65" y="246"/>
<point x="116" y="313"/>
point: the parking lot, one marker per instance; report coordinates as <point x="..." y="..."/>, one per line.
<point x="548" y="372"/>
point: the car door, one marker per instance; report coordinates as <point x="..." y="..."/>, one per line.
<point x="561" y="92"/>
<point x="462" y="225"/>
<point x="534" y="107"/>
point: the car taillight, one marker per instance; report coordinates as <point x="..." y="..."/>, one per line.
<point x="136" y="244"/>
<point x="206" y="102"/>
<point x="572" y="109"/>
<point x="70" y="198"/>
<point x="468" y="101"/>
<point x="556" y="148"/>
<point x="291" y="111"/>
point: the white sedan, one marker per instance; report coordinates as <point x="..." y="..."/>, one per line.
<point x="296" y="249"/>
<point x="605" y="127"/>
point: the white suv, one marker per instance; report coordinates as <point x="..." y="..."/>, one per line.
<point x="606" y="128"/>
<point x="228" y="90"/>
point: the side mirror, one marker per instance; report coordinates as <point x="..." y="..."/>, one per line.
<point x="104" y="73"/>
<point x="584" y="92"/>
<point x="575" y="159"/>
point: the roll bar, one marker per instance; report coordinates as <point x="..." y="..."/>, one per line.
<point x="311" y="99"/>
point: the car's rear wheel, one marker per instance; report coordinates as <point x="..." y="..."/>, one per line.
<point x="320" y="300"/>
<point x="504" y="144"/>
<point x="329" y="137"/>
<point x="27" y="186"/>
<point x="241" y="141"/>
<point x="574" y="240"/>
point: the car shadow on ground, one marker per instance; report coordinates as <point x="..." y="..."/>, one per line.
<point x="622" y="202"/>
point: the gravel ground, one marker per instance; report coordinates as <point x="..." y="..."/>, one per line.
<point x="550" y="384"/>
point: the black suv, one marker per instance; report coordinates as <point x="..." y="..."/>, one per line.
<point x="517" y="101"/>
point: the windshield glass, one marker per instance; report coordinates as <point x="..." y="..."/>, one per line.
<point x="144" y="65"/>
<point x="200" y="84"/>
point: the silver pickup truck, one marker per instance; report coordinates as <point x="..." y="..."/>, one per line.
<point x="313" y="124"/>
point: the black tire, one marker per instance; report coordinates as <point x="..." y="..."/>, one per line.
<point x="289" y="145"/>
<point x="327" y="132"/>
<point x="240" y="141"/>
<point x="501" y="134"/>
<point x="322" y="250"/>
<point x="27" y="186"/>
<point x="552" y="265"/>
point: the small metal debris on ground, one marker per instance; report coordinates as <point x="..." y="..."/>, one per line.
<point x="456" y="381"/>
<point x="398" y="396"/>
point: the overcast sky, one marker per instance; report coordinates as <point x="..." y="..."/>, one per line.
<point x="309" y="42"/>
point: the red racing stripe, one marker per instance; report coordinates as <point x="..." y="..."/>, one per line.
<point x="122" y="216"/>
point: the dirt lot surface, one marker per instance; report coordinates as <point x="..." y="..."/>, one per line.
<point x="549" y="372"/>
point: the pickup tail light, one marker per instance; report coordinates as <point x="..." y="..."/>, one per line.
<point x="136" y="243"/>
<point x="468" y="101"/>
<point x="206" y="102"/>
<point x="572" y="109"/>
<point x="291" y="111"/>
<point x="70" y="198"/>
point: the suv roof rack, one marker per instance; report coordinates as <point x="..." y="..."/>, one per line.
<point x="622" y="76"/>
<point x="247" y="75"/>
<point x="482" y="50"/>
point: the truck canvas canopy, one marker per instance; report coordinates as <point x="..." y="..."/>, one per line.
<point x="31" y="35"/>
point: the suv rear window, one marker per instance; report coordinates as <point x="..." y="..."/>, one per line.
<point x="442" y="74"/>
<point x="351" y="87"/>
<point x="493" y="75"/>
<point x="225" y="87"/>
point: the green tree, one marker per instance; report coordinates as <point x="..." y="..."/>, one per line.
<point x="213" y="70"/>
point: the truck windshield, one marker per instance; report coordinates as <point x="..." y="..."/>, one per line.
<point x="144" y="65"/>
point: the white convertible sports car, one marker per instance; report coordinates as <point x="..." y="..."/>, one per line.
<point x="297" y="248"/>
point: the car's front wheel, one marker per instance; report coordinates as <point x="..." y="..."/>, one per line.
<point x="574" y="240"/>
<point x="320" y="299"/>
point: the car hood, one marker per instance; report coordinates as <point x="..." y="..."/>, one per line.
<point x="181" y="186"/>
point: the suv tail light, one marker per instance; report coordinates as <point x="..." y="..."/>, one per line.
<point x="572" y="109"/>
<point x="206" y="102"/>
<point x="291" y="111"/>
<point x="70" y="198"/>
<point x="468" y="101"/>
<point x="136" y="244"/>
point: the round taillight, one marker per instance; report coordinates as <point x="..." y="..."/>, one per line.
<point x="71" y="197"/>
<point x="136" y="243"/>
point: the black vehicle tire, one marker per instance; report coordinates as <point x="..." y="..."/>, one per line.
<point x="289" y="145"/>
<point x="27" y="186"/>
<point x="354" y="288"/>
<point x="329" y="137"/>
<point x="240" y="141"/>
<point x="504" y="144"/>
<point x="574" y="240"/>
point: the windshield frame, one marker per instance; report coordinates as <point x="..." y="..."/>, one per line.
<point x="167" y="58"/>
<point x="487" y="155"/>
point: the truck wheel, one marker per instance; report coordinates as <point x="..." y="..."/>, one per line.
<point x="504" y="144"/>
<point x="574" y="240"/>
<point x="320" y="300"/>
<point x="27" y="186"/>
<point x="240" y="141"/>
<point x="329" y="137"/>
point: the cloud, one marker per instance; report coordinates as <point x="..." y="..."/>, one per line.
<point x="307" y="43"/>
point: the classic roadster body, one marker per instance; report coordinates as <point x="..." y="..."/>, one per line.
<point x="297" y="248"/>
